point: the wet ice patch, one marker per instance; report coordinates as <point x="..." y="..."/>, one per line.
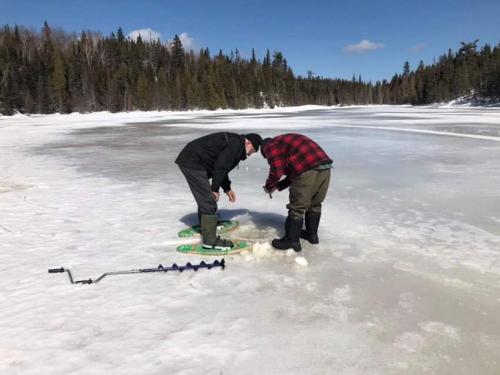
<point x="407" y="301"/>
<point x="409" y="342"/>
<point x="342" y="294"/>
<point x="444" y="241"/>
<point x="441" y="329"/>
<point x="248" y="231"/>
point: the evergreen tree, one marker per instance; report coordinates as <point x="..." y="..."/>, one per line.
<point x="58" y="83"/>
<point x="52" y="71"/>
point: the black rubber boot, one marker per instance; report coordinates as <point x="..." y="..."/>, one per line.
<point x="210" y="240"/>
<point x="312" y="223"/>
<point x="293" y="227"/>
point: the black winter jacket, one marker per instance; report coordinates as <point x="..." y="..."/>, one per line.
<point x="217" y="153"/>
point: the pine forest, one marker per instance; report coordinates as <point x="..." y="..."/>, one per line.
<point x="54" y="71"/>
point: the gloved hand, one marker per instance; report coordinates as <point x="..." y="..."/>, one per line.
<point x="284" y="184"/>
<point x="267" y="191"/>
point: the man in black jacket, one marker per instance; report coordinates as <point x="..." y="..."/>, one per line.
<point x="212" y="157"/>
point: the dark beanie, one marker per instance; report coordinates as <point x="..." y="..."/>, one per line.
<point x="264" y="142"/>
<point x="255" y="139"/>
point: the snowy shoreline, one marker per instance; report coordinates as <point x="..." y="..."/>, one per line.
<point x="456" y="104"/>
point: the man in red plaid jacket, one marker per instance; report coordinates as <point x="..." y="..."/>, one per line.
<point x="307" y="170"/>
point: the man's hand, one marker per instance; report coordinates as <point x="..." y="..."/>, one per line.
<point x="216" y="195"/>
<point x="231" y="195"/>
<point x="267" y="191"/>
<point x="284" y="184"/>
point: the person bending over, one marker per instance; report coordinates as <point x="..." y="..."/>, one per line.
<point x="306" y="168"/>
<point x="213" y="157"/>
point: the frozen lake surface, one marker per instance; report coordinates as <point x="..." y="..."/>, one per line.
<point x="406" y="279"/>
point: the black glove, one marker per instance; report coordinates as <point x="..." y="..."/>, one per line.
<point x="267" y="191"/>
<point x="284" y="184"/>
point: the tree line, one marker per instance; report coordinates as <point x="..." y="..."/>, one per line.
<point x="55" y="71"/>
<point x="454" y="75"/>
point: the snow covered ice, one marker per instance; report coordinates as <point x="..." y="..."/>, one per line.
<point x="406" y="278"/>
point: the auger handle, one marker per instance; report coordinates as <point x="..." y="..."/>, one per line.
<point x="56" y="270"/>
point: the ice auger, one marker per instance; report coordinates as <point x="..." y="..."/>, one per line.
<point x="174" y="267"/>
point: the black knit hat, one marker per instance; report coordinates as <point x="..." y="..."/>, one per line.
<point x="264" y="142"/>
<point x="255" y="139"/>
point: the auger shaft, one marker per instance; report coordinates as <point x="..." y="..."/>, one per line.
<point x="174" y="267"/>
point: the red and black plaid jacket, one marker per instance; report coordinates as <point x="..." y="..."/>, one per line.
<point x="290" y="155"/>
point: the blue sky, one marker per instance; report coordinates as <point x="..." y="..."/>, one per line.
<point x="330" y="38"/>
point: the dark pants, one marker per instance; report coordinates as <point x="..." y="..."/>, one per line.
<point x="307" y="192"/>
<point x="197" y="180"/>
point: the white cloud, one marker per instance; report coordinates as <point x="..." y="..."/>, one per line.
<point x="362" y="47"/>
<point x="147" y="35"/>
<point x="417" y="47"/>
<point x="150" y="35"/>
<point x="186" y="40"/>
